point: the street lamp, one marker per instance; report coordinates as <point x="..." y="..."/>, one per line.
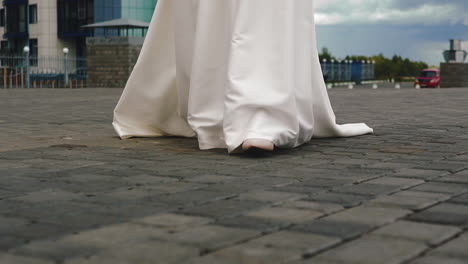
<point x="65" y="62"/>
<point x="26" y="51"/>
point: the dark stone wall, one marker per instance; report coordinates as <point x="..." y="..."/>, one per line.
<point x="111" y="60"/>
<point x="453" y="75"/>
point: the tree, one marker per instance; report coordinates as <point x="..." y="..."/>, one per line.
<point x="325" y="54"/>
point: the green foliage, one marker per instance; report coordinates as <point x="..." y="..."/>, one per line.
<point x="386" y="68"/>
<point x="326" y="54"/>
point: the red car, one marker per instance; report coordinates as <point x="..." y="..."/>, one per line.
<point x="428" y="78"/>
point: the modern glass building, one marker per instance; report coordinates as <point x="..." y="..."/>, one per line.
<point x="105" y="10"/>
<point x="50" y="25"/>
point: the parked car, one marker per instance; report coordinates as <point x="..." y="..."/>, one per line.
<point x="429" y="78"/>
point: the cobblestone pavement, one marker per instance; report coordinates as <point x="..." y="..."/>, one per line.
<point x="71" y="192"/>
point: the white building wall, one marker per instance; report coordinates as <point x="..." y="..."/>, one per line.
<point x="45" y="31"/>
<point x="2" y="29"/>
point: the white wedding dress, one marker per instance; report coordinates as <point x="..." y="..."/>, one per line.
<point x="229" y="70"/>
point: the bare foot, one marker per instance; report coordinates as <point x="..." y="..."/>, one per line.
<point x="256" y="144"/>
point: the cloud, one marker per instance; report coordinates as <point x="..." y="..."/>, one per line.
<point x="416" y="12"/>
<point x="416" y="42"/>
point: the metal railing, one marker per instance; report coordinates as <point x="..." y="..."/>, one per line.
<point x="42" y="72"/>
<point x="346" y="71"/>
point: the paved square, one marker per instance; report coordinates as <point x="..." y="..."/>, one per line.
<point x="73" y="192"/>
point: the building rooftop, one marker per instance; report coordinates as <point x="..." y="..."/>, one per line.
<point x="122" y="23"/>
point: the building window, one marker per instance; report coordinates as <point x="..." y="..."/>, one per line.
<point x="2" y="17"/>
<point x="4" y="46"/>
<point x="72" y="15"/>
<point x="33" y="52"/>
<point x="16" y="19"/>
<point x="33" y="14"/>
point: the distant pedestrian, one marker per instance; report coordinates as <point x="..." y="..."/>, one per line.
<point x="237" y="74"/>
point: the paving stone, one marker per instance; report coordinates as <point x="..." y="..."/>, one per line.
<point x="194" y="197"/>
<point x="411" y="200"/>
<point x="92" y="197"/>
<point x="438" y="260"/>
<point x="345" y="200"/>
<point x="341" y="229"/>
<point x="269" y="196"/>
<point x="173" y="221"/>
<point x="402" y="183"/>
<point x="374" y="216"/>
<point x="445" y="213"/>
<point x="462" y="199"/>
<point x="442" y="187"/>
<point x="285" y="214"/>
<point x="367" y="189"/>
<point x="212" y="237"/>
<point x="424" y="174"/>
<point x="460" y="177"/>
<point x="261" y="224"/>
<point x="455" y="248"/>
<point x="306" y="243"/>
<point x="298" y="188"/>
<point x="91" y="241"/>
<point x="326" y="182"/>
<point x="12" y="259"/>
<point x="246" y="254"/>
<point x="370" y="249"/>
<point x="9" y="226"/>
<point x="8" y="242"/>
<point x="152" y="252"/>
<point x="325" y="208"/>
<point x="211" y="179"/>
<point x="446" y="166"/>
<point x="142" y="179"/>
<point x="222" y="209"/>
<point x="47" y="195"/>
<point x="428" y="233"/>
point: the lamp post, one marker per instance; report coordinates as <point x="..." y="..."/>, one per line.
<point x="26" y="51"/>
<point x="324" y="67"/>
<point x="65" y="64"/>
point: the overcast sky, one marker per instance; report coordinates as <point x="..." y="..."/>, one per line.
<point x="418" y="29"/>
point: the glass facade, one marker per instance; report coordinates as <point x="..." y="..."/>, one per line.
<point x="71" y="15"/>
<point x="16" y="15"/>
<point x="138" y="9"/>
<point x="106" y="10"/>
<point x="16" y="21"/>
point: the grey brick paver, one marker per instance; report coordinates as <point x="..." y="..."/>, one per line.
<point x="367" y="215"/>
<point x="438" y="260"/>
<point x="306" y="243"/>
<point x="270" y="196"/>
<point x="402" y="183"/>
<point x="419" y="173"/>
<point x="211" y="237"/>
<point x="341" y="229"/>
<point x="8" y="258"/>
<point x="343" y="199"/>
<point x="72" y="192"/>
<point x="442" y="187"/>
<point x="173" y="221"/>
<point x="291" y="215"/>
<point x="445" y="213"/>
<point x="460" y="177"/>
<point x="325" y="208"/>
<point x="428" y="233"/>
<point x="153" y="252"/>
<point x="371" y="250"/>
<point x="455" y="248"/>
<point x="410" y="200"/>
